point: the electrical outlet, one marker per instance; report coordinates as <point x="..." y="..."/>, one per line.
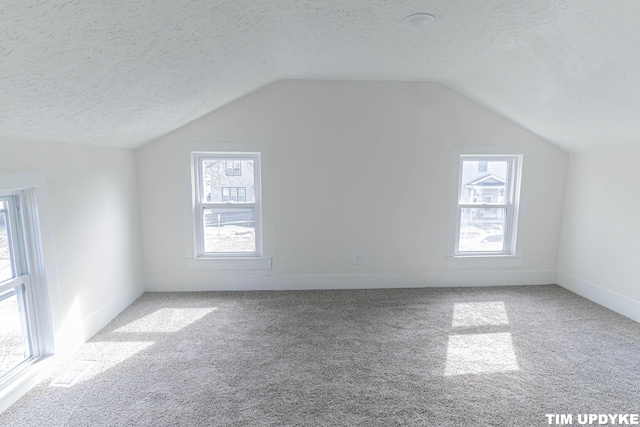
<point x="356" y="258"/>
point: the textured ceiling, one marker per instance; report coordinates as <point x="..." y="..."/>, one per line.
<point x="123" y="72"/>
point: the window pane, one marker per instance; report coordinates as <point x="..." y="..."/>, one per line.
<point x="481" y="230"/>
<point x="229" y="230"/>
<point x="6" y="265"/>
<point x="242" y="194"/>
<point x="234" y="194"/>
<point x="479" y="183"/>
<point x="219" y="174"/>
<point x="14" y="347"/>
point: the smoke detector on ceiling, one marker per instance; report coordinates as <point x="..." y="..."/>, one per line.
<point x="419" y="19"/>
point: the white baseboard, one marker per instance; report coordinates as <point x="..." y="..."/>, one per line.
<point x="76" y="327"/>
<point x="604" y="297"/>
<point x="250" y="282"/>
<point x="94" y="322"/>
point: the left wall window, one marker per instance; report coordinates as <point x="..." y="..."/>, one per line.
<point x="16" y="331"/>
<point x="227" y="204"/>
<point x="28" y="289"/>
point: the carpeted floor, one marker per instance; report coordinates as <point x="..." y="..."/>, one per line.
<point x="502" y="356"/>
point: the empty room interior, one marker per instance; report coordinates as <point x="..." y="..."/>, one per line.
<point x="323" y="212"/>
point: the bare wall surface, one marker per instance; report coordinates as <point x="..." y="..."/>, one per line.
<point x="600" y="241"/>
<point x="94" y="218"/>
<point x="352" y="166"/>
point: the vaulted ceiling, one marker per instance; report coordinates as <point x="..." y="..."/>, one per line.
<point x="123" y="72"/>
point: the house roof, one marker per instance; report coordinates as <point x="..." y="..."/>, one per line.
<point x="123" y="72"/>
<point x="487" y="181"/>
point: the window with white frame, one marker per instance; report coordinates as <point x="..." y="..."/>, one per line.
<point x="488" y="192"/>
<point x="16" y="331"/>
<point x="227" y="211"/>
<point x="26" y="330"/>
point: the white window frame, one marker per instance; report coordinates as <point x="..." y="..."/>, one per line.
<point x="513" y="202"/>
<point x="195" y="259"/>
<point x="21" y="282"/>
<point x="201" y="204"/>
<point x="42" y="300"/>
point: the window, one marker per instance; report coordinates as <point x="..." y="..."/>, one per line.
<point x="28" y="290"/>
<point x="15" y="328"/>
<point x="233" y="168"/>
<point x="486" y="207"/>
<point x="227" y="212"/>
<point x="24" y="326"/>
<point x="233" y="194"/>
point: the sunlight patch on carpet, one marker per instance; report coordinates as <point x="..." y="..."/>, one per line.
<point x="472" y="314"/>
<point x="480" y="354"/>
<point x="166" y="320"/>
<point x="108" y="355"/>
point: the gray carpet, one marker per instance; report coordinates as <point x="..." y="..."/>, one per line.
<point x="435" y="357"/>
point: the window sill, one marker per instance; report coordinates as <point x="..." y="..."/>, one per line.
<point x="484" y="261"/>
<point x="18" y="383"/>
<point x="213" y="264"/>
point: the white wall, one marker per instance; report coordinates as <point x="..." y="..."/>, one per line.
<point x="331" y="187"/>
<point x="600" y="245"/>
<point x="94" y="222"/>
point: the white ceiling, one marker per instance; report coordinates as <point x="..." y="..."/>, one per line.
<point x="123" y="72"/>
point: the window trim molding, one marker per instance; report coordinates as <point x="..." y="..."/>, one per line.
<point x="197" y="158"/>
<point x="510" y="202"/>
<point x="45" y="299"/>
<point x="489" y="260"/>
<point x="223" y="261"/>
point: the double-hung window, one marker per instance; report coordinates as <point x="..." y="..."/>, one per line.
<point x="227" y="211"/>
<point x="25" y="336"/>
<point x="16" y="311"/>
<point x="488" y="191"/>
<point x="26" y="283"/>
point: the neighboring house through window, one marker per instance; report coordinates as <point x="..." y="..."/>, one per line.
<point x="227" y="204"/>
<point x="487" y="202"/>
